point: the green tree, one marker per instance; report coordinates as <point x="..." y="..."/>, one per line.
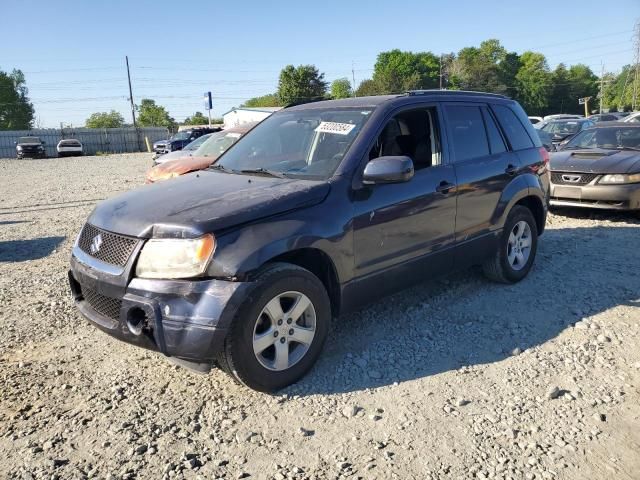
<point x="559" y="98"/>
<point x="340" y="88"/>
<point x="269" y="100"/>
<point x="582" y="83"/>
<point x="367" y="88"/>
<point x="533" y="83"/>
<point x="16" y="111"/>
<point x="397" y="71"/>
<point x="152" y="115"/>
<point x="110" y="119"/>
<point x="480" y="68"/>
<point x="300" y="84"/>
<point x="196" y="119"/>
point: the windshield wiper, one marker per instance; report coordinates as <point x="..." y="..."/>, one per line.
<point x="635" y="149"/>
<point x="222" y="168"/>
<point x="263" y="171"/>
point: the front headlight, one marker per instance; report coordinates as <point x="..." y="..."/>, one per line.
<point x="175" y="258"/>
<point x="620" y="179"/>
<point x="19" y="147"/>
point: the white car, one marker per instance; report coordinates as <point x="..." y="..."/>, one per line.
<point x="69" y="147"/>
<point x="535" y="120"/>
<point x="632" y="118"/>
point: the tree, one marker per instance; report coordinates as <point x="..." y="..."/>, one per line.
<point x="532" y="83"/>
<point x="269" y="100"/>
<point x="480" y="68"/>
<point x="340" y="88"/>
<point x="110" y="119"/>
<point x="196" y="119"/>
<point x="582" y="83"/>
<point x="559" y="98"/>
<point x="152" y="115"/>
<point x="397" y="71"/>
<point x="368" y="87"/>
<point x="301" y="84"/>
<point x="16" y="111"/>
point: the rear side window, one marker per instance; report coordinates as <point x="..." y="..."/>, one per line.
<point x="515" y="131"/>
<point x="496" y="143"/>
<point x="468" y="136"/>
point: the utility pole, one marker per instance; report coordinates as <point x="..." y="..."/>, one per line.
<point x="133" y="107"/>
<point x="637" y="73"/>
<point x="601" y="85"/>
<point x="353" y="78"/>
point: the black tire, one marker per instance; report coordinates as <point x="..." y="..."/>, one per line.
<point x="498" y="268"/>
<point x="238" y="358"/>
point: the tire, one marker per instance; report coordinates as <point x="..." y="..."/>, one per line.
<point x="243" y="356"/>
<point x="500" y="267"/>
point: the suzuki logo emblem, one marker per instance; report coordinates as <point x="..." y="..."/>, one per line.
<point x="571" y="178"/>
<point x="96" y="243"/>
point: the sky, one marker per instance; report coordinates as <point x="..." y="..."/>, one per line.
<point x="73" y="52"/>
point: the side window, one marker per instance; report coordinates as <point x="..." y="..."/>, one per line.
<point x="468" y="135"/>
<point x="413" y="133"/>
<point x="496" y="142"/>
<point x="516" y="133"/>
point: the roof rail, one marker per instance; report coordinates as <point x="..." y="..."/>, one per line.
<point x="453" y="93"/>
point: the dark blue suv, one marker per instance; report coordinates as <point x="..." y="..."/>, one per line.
<point x="318" y="210"/>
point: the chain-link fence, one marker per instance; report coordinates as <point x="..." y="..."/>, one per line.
<point x="94" y="140"/>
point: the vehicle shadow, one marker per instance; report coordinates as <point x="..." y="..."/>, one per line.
<point x="595" y="214"/>
<point x="465" y="320"/>
<point x="23" y="250"/>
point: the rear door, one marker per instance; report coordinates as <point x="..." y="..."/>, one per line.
<point x="484" y="166"/>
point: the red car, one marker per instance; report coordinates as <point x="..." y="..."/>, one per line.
<point x="202" y="158"/>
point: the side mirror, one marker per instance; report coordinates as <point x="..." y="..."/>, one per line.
<point x="391" y="169"/>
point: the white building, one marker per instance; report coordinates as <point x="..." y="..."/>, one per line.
<point x="238" y="116"/>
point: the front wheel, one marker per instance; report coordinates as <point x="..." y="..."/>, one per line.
<point x="279" y="330"/>
<point x="517" y="248"/>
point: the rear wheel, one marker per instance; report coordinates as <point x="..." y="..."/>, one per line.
<point x="278" y="331"/>
<point x="517" y="248"/>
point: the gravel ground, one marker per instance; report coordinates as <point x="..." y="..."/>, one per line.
<point x="457" y="378"/>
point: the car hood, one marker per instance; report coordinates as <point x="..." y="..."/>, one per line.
<point x="207" y="201"/>
<point x="173" y="156"/>
<point x="176" y="167"/>
<point x="596" y="161"/>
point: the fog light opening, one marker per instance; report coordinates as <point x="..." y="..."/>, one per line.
<point x="136" y="320"/>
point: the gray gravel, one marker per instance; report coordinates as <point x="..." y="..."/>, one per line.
<point x="457" y="378"/>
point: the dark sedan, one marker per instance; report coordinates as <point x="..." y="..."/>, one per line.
<point x="599" y="168"/>
<point x="561" y="131"/>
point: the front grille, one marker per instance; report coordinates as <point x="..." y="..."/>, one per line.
<point x="584" y="178"/>
<point x="106" y="246"/>
<point x="107" y="306"/>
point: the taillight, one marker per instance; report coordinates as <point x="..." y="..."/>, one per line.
<point x="545" y="161"/>
<point x="544" y="154"/>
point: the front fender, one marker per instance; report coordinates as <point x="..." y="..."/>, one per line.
<point x="520" y="187"/>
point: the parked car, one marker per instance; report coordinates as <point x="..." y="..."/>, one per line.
<point x="562" y="130"/>
<point x="604" y="117"/>
<point x="599" y="168"/>
<point x="632" y="118"/>
<point x="30" y="147"/>
<point x="185" y="152"/>
<point x="535" y="120"/>
<point x="562" y="116"/>
<point x="182" y="138"/>
<point x="545" y="139"/>
<point x="69" y="147"/>
<point x="319" y="209"/>
<point x="216" y="144"/>
<point x="159" y="148"/>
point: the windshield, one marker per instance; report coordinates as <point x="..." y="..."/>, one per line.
<point x="307" y="143"/>
<point x="197" y="142"/>
<point x="608" y="137"/>
<point x="184" y="135"/>
<point x="217" y="144"/>
<point x="28" y="140"/>
<point x="562" y="128"/>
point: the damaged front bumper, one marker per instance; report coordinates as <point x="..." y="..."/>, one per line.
<point x="186" y="320"/>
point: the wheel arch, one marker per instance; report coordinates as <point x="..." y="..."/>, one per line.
<point x="523" y="190"/>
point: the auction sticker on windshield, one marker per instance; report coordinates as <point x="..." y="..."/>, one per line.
<point x="334" y="127"/>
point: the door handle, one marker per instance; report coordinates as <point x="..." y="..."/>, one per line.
<point x="444" y="187"/>
<point x="511" y="169"/>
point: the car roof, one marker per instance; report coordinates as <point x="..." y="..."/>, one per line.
<point x="564" y="120"/>
<point x="374" y="101"/>
<point x="616" y="124"/>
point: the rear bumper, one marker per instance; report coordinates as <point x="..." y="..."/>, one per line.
<point x="184" y="319"/>
<point x="610" y="197"/>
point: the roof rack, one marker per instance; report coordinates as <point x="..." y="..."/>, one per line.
<point x="453" y="93"/>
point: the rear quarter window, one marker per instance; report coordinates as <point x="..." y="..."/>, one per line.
<point x="468" y="135"/>
<point x="513" y="128"/>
